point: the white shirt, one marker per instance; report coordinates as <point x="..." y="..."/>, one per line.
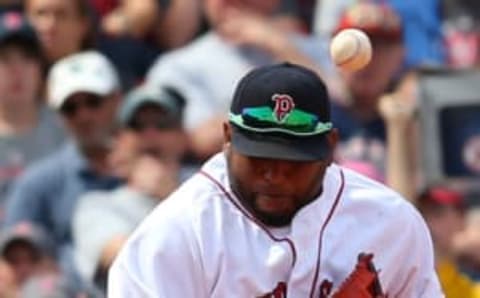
<point x="202" y="243"/>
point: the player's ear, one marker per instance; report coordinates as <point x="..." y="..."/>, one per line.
<point x="332" y="139"/>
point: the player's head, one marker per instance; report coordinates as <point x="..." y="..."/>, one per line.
<point x="279" y="140"/>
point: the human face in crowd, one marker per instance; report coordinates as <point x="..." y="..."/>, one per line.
<point x="274" y="190"/>
<point x="368" y="84"/>
<point x="158" y="134"/>
<point x="20" y="74"/>
<point x="150" y="133"/>
<point x="23" y="259"/>
<point x="62" y="25"/>
<point x="216" y="10"/>
<point x="444" y="223"/>
<point x="90" y="118"/>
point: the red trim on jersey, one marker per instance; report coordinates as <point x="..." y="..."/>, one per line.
<point x="325" y="223"/>
<point x="249" y="216"/>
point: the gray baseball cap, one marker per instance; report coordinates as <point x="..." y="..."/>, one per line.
<point x="166" y="98"/>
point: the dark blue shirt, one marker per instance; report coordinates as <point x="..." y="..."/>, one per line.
<point x="351" y="126"/>
<point x="48" y="190"/>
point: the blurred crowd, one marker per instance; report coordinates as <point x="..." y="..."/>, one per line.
<point x="106" y="106"/>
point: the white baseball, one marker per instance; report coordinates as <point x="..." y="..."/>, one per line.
<point x="351" y="49"/>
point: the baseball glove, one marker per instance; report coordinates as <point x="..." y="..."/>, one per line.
<point x="362" y="282"/>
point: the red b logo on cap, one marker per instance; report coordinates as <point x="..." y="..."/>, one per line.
<point x="283" y="106"/>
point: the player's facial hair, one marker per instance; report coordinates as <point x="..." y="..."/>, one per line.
<point x="248" y="198"/>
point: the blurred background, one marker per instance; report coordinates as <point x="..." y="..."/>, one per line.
<point x="106" y="106"/>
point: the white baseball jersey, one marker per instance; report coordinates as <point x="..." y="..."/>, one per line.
<point x="201" y="242"/>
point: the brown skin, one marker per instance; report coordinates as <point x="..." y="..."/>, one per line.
<point x="167" y="143"/>
<point x="21" y="76"/>
<point x="272" y="189"/>
<point x="92" y="127"/>
<point x="132" y="17"/>
<point x="217" y="10"/>
<point x="444" y="223"/>
<point x="62" y="25"/>
<point x="111" y="250"/>
<point x="8" y="285"/>
<point x="147" y="155"/>
<point x="24" y="260"/>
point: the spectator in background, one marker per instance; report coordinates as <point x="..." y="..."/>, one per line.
<point x="205" y="72"/>
<point x="363" y="130"/>
<point x="422" y="32"/>
<point x="148" y="152"/>
<point x="84" y="89"/>
<point x="64" y="26"/>
<point x="461" y="30"/>
<point x="127" y="17"/>
<point x="398" y="110"/>
<point x="144" y="30"/>
<point x="28" y="250"/>
<point x="444" y="213"/>
<point x="28" y="129"/>
<point x="166" y="24"/>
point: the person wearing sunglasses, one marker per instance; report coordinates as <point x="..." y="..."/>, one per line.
<point x="84" y="89"/>
<point x="148" y="152"/>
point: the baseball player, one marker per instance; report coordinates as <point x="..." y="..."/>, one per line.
<point x="274" y="216"/>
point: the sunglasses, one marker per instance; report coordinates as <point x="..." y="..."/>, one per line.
<point x="91" y="102"/>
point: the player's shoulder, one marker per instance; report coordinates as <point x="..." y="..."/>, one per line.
<point x="371" y="204"/>
<point x="363" y="193"/>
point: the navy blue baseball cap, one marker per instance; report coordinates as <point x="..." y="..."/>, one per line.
<point x="281" y="111"/>
<point x="14" y="26"/>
